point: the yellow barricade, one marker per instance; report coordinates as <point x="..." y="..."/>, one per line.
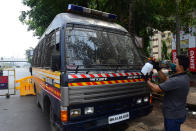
<point x="26" y="86"/>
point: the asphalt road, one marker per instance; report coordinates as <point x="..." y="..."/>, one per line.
<point x="21" y="113"/>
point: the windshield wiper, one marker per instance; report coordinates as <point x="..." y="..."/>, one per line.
<point x="77" y="67"/>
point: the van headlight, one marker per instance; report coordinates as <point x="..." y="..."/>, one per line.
<point x="139" y="101"/>
<point x="75" y="112"/>
<point x="88" y="110"/>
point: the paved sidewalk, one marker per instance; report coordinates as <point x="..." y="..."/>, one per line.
<point x="191" y="99"/>
<point x="154" y="122"/>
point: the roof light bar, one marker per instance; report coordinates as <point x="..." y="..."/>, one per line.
<point x="81" y="9"/>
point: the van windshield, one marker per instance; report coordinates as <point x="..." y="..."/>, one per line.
<point x="97" y="47"/>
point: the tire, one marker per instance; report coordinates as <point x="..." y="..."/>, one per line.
<point x="36" y="97"/>
<point x="37" y="101"/>
<point x="52" y="122"/>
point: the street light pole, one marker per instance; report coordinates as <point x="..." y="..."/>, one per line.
<point x="177" y="28"/>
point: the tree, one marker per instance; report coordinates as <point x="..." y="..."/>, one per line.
<point x="148" y="14"/>
<point x="164" y="53"/>
<point x="28" y="54"/>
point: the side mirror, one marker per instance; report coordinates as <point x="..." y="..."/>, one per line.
<point x="56" y="62"/>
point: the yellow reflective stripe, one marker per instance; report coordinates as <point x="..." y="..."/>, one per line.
<point x="106" y="82"/>
<point x="84" y="84"/>
<point x="99" y="83"/>
<point x="113" y="82"/>
<point x="131" y="80"/>
<point x="57" y="85"/>
<point x="51" y="72"/>
<point x="125" y="81"/>
<point x="119" y="81"/>
<point x="74" y="84"/>
<point x="56" y="73"/>
<point x="47" y="76"/>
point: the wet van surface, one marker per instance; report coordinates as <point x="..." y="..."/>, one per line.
<point x="86" y="72"/>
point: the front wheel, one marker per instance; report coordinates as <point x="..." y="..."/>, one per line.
<point x="52" y="122"/>
<point x="36" y="97"/>
<point x="37" y="100"/>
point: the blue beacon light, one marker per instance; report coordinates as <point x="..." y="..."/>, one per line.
<point x="81" y="9"/>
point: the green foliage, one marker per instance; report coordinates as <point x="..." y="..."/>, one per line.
<point x="148" y="14"/>
<point x="164" y="53"/>
<point x="170" y="55"/>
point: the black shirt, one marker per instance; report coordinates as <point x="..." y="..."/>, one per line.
<point x="175" y="89"/>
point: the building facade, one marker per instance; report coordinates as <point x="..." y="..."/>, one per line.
<point x="157" y="41"/>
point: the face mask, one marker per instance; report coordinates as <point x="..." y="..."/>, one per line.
<point x="173" y="67"/>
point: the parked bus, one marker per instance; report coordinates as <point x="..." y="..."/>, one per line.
<point x="86" y="72"/>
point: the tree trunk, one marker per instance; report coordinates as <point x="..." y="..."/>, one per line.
<point x="177" y="29"/>
<point x="131" y="17"/>
<point x="84" y="3"/>
<point x="97" y="2"/>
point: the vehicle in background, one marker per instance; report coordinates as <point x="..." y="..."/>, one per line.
<point x="165" y="64"/>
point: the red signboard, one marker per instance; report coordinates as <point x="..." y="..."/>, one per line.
<point x="3" y="82"/>
<point x="192" y="58"/>
<point x="173" y="55"/>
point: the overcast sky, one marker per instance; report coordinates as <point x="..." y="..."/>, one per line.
<point x="14" y="37"/>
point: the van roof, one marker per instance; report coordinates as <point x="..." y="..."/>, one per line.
<point x="64" y="18"/>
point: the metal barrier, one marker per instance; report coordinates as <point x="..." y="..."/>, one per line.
<point x="26" y="86"/>
<point x="5" y="79"/>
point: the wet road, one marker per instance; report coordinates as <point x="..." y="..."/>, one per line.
<point x="21" y="113"/>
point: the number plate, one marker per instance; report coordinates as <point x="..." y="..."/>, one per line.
<point x="118" y="118"/>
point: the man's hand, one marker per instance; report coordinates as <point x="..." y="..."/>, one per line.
<point x="156" y="66"/>
<point x="146" y="77"/>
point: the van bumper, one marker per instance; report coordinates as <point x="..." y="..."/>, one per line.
<point x="94" y="123"/>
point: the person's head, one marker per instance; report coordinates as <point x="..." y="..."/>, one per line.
<point x="182" y="63"/>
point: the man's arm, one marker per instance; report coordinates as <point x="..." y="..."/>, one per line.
<point x="154" y="87"/>
<point x="162" y="76"/>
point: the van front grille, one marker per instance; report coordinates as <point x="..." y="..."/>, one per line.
<point x="88" y="94"/>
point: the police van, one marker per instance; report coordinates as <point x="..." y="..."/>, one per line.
<point x="86" y="72"/>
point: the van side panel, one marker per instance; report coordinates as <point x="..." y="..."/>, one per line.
<point x="47" y="84"/>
